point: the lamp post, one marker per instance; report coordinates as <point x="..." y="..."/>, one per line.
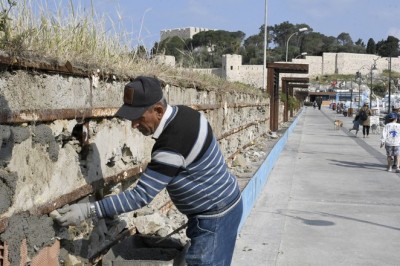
<point x="350" y="111"/>
<point x="390" y="76"/>
<point x="302" y="54"/>
<point x="373" y="67"/>
<point x="265" y="48"/>
<point x="358" y="77"/>
<point x="287" y="43"/>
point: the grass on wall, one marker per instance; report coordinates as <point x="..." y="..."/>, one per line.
<point x="47" y="30"/>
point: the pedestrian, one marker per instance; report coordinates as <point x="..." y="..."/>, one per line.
<point x="390" y="138"/>
<point x="364" y="116"/>
<point x="319" y="102"/>
<point x="395" y="109"/>
<point x="187" y="161"/>
<point x="356" y="124"/>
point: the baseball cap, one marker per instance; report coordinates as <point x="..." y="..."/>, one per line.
<point x="392" y="116"/>
<point x="139" y="95"/>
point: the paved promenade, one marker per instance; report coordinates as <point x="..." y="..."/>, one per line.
<point x="328" y="201"/>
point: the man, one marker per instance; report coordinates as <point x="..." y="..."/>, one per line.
<point x="319" y="102"/>
<point x="395" y="109"/>
<point x="187" y="161"/>
<point x="390" y="138"/>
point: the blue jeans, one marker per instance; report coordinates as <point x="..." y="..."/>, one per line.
<point x="213" y="237"/>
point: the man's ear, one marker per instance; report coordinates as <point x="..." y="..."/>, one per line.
<point x="159" y="109"/>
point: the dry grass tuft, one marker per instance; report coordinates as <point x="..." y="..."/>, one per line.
<point x="35" y="29"/>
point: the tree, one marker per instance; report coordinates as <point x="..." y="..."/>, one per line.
<point x="371" y="46"/>
<point x="390" y="47"/>
<point x="344" y="39"/>
<point x="313" y="43"/>
<point x="172" y="46"/>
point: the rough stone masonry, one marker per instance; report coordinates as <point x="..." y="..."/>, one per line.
<point x="47" y="162"/>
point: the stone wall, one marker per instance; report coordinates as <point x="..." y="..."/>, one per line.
<point x="46" y="162"/>
<point x="327" y="64"/>
<point x="111" y="141"/>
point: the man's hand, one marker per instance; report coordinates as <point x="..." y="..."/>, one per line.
<point x="73" y="214"/>
<point x="382" y="144"/>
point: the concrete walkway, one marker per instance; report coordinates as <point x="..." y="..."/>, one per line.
<point x="328" y="201"/>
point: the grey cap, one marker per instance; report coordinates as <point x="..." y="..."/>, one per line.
<point x="139" y="95"/>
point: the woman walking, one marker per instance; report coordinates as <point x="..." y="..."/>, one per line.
<point x="364" y="115"/>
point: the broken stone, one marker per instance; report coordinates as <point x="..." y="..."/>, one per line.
<point x="150" y="224"/>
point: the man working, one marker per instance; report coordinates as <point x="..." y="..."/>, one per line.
<point x="187" y="161"/>
<point x="390" y="138"/>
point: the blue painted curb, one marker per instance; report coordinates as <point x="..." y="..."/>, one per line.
<point x="253" y="189"/>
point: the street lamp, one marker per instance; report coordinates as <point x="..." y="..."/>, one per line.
<point x="287" y="43"/>
<point x="265" y="47"/>
<point x="358" y="77"/>
<point x="373" y="67"/>
<point x="302" y="54"/>
<point x="390" y="76"/>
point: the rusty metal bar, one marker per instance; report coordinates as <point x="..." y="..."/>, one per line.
<point x="166" y="207"/>
<point x="12" y="63"/>
<point x="205" y="107"/>
<point x="78" y="193"/>
<point x="7" y="116"/>
<point x="236" y="130"/>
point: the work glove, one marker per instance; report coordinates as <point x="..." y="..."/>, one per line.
<point x="73" y="214"/>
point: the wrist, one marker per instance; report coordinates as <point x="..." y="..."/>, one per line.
<point x="92" y="210"/>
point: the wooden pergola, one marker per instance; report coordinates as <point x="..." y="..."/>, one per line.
<point x="288" y="85"/>
<point x="274" y="69"/>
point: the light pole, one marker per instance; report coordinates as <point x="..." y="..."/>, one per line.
<point x="287" y="43"/>
<point x="390" y="76"/>
<point x="265" y="47"/>
<point x="302" y="54"/>
<point x="373" y="67"/>
<point x="350" y="111"/>
<point x="358" y="77"/>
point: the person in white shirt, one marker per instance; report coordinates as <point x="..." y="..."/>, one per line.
<point x="390" y="138"/>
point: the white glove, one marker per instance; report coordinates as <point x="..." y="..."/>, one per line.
<point x="73" y="214"/>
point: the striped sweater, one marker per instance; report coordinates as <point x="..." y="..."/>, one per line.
<point x="187" y="161"/>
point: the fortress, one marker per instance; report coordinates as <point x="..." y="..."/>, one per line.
<point x="184" y="33"/>
<point x="327" y="64"/>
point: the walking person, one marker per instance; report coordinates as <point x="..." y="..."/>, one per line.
<point x="395" y="109"/>
<point x="390" y="138"/>
<point x="356" y="124"/>
<point x="319" y="102"/>
<point x="187" y="161"/>
<point x="364" y="116"/>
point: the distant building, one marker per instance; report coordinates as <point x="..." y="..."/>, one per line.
<point x="184" y="33"/>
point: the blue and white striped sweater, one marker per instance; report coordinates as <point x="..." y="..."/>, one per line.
<point x="187" y="161"/>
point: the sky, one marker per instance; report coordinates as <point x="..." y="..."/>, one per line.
<point x="362" y="19"/>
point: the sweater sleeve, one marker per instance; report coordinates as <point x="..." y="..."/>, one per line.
<point x="149" y="185"/>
